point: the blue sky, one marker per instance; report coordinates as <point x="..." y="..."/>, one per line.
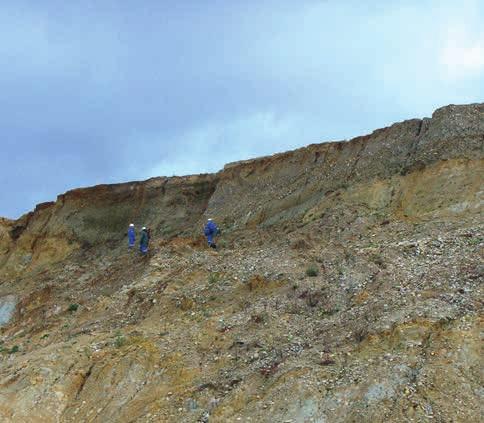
<point x="111" y="91"/>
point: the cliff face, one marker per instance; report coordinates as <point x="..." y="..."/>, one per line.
<point x="91" y="217"/>
<point x="419" y="169"/>
<point x="346" y="288"/>
<point x="386" y="171"/>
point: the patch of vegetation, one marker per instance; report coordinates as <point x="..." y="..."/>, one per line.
<point x="14" y="349"/>
<point x="120" y="340"/>
<point x="73" y="307"/>
<point x="44" y="336"/>
<point x="474" y="241"/>
<point x="312" y="271"/>
<point x="340" y="270"/>
<point x="213" y="278"/>
<point x="325" y="311"/>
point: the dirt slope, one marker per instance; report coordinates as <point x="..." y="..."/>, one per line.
<point x="347" y="288"/>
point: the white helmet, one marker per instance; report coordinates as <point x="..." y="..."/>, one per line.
<point x="143" y="228"/>
<point x="131" y="224"/>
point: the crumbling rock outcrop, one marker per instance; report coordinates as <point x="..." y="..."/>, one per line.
<point x="346" y="289"/>
<point x="415" y="168"/>
<point x="387" y="164"/>
<point x="87" y="217"/>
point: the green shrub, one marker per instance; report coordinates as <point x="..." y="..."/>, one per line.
<point x="120" y="340"/>
<point x="73" y="307"/>
<point x="474" y="241"/>
<point x="312" y="271"/>
<point x="14" y="349"/>
<point x="213" y="278"/>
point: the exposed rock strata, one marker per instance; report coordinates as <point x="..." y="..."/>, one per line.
<point x="396" y="167"/>
<point x="387" y="329"/>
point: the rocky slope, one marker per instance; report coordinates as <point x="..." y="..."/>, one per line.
<point x="347" y="288"/>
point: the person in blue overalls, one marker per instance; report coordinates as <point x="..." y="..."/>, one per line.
<point x="210" y="231"/>
<point x="131" y="236"/>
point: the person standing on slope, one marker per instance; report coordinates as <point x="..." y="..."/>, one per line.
<point x="144" y="241"/>
<point x="210" y="231"/>
<point x="131" y="236"/>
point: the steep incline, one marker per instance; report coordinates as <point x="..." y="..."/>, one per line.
<point x="97" y="216"/>
<point x="388" y="164"/>
<point x="347" y="289"/>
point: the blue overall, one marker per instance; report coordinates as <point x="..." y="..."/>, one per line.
<point x="131" y="237"/>
<point x="210" y="231"/>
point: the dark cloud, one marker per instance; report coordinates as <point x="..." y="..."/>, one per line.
<point x="109" y="91"/>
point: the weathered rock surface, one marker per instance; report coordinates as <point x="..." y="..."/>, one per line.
<point x="347" y="288"/>
<point x="87" y="217"/>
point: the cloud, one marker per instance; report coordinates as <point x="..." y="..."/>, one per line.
<point x="214" y="144"/>
<point x="111" y="91"/>
<point x="463" y="54"/>
<point x="432" y="56"/>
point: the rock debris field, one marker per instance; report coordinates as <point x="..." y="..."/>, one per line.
<point x="341" y="290"/>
